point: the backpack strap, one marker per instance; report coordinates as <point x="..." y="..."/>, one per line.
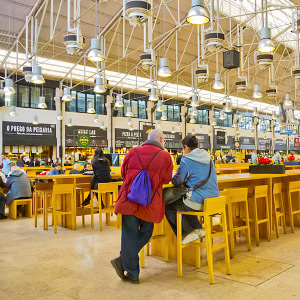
<point x="198" y="186"/>
<point x="149" y="162"/>
<point x="152" y="159"/>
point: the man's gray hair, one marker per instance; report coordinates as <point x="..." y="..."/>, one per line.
<point x="155" y="135"/>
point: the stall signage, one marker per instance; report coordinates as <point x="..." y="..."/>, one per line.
<point x="81" y="136"/>
<point x="264" y="144"/>
<point x="247" y="143"/>
<point x="229" y="144"/>
<point x="27" y="134"/>
<point x="280" y="144"/>
<point x="173" y="140"/>
<point x="204" y="141"/>
<point x="125" y="138"/>
<point x="221" y="137"/>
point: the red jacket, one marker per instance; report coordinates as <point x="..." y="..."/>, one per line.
<point x="160" y="172"/>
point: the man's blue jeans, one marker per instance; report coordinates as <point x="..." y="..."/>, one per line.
<point x="136" y="233"/>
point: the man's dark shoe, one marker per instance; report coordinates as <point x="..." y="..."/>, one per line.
<point x="85" y="202"/>
<point x="134" y="281"/>
<point x="117" y="264"/>
<point x="2" y="217"/>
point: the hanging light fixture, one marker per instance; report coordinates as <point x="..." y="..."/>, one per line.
<point x="67" y="95"/>
<point x="255" y="113"/>
<point x="213" y="123"/>
<point x="42" y="102"/>
<point x="59" y="114"/>
<point x="96" y="118"/>
<point x="274" y="117"/>
<point x="102" y="126"/>
<point x="194" y="112"/>
<point x="37" y="77"/>
<point x="153" y="94"/>
<point x="192" y="120"/>
<point x="128" y="112"/>
<point x="131" y="127"/>
<point x="228" y="106"/>
<point x="70" y="123"/>
<point x="173" y="130"/>
<point x="159" y="106"/>
<point x="119" y="101"/>
<point x="95" y="54"/>
<point x="100" y="86"/>
<point x="198" y="14"/>
<point x="91" y="109"/>
<point x="218" y="84"/>
<point x="164" y="70"/>
<point x="178" y="125"/>
<point x="27" y="71"/>
<point x="265" y="45"/>
<point x="13" y="112"/>
<point x="263" y="122"/>
<point x="129" y="121"/>
<point x="222" y="115"/>
<point x="164" y="116"/>
<point x="256" y="92"/>
<point x="9" y="87"/>
<point x="195" y="101"/>
<point x="35" y="120"/>
<point x="287" y="101"/>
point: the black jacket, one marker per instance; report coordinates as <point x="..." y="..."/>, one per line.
<point x="101" y="170"/>
<point x="31" y="164"/>
<point x="75" y="172"/>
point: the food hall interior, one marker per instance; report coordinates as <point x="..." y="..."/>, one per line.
<point x="79" y="78"/>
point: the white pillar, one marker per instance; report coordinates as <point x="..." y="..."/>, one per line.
<point x="110" y="125"/>
<point x="183" y="121"/>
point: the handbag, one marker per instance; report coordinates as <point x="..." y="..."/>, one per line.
<point x="172" y="194"/>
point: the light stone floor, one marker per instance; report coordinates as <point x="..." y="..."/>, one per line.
<point x="36" y="264"/>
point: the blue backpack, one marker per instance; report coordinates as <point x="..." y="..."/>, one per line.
<point x="141" y="189"/>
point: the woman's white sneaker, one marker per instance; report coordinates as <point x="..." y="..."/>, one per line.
<point x="190" y="238"/>
<point x="200" y="233"/>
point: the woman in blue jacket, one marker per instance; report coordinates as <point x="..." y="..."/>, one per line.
<point x="194" y="168"/>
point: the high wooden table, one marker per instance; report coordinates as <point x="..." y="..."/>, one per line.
<point x="75" y="180"/>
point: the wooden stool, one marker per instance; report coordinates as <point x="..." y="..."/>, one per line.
<point x="212" y="206"/>
<point x="236" y="197"/>
<point x="293" y="188"/>
<point x="108" y="192"/>
<point x="41" y="191"/>
<point x="260" y="197"/>
<point x="13" y="212"/>
<point x="63" y="190"/>
<point x="278" y="207"/>
<point x="162" y="236"/>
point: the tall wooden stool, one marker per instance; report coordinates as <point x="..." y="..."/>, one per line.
<point x="165" y="247"/>
<point x="63" y="190"/>
<point x="212" y="206"/>
<point x="42" y="191"/>
<point x="108" y="192"/>
<point x="261" y="198"/>
<point x="237" y="197"/>
<point x="278" y="207"/>
<point x="294" y="208"/>
<point x="13" y="211"/>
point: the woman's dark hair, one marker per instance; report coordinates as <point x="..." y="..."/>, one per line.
<point x="99" y="154"/>
<point x="190" y="141"/>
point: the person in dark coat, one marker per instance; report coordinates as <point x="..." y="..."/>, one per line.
<point x="2" y="201"/>
<point x="101" y="168"/>
<point x="137" y="220"/>
<point x="20" y="162"/>
<point x="178" y="158"/>
<point x="34" y="162"/>
<point x="19" y="185"/>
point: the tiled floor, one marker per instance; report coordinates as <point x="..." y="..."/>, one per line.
<point x="35" y="264"/>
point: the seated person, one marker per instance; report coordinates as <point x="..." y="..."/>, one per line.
<point x="20" y="162"/>
<point x="76" y="169"/>
<point x="194" y="169"/>
<point x="34" y="162"/>
<point x="19" y="185"/>
<point x="2" y="175"/>
<point x="57" y="170"/>
<point x="2" y="199"/>
<point x="87" y="167"/>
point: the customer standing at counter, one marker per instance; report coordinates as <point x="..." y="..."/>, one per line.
<point x="137" y="220"/>
<point x="195" y="168"/>
<point x="5" y="163"/>
<point x="34" y="162"/>
<point x="101" y="170"/>
<point x="57" y="170"/>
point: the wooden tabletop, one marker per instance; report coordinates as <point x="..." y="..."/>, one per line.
<point x="68" y="176"/>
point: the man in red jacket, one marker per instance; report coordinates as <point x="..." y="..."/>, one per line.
<point x="138" y="221"/>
